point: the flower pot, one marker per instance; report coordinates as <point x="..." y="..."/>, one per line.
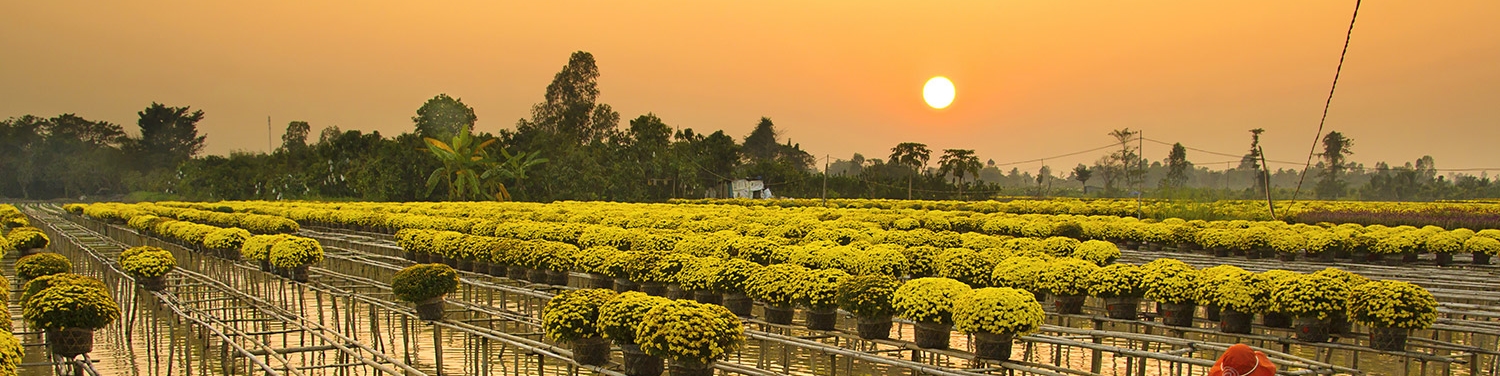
<point x="1211" y="312"/>
<point x="536" y="275"/>
<point x="1325" y="256"/>
<point x="625" y="285"/>
<point x="992" y="346"/>
<point x="409" y="255"/>
<point x="1342" y="254"/>
<point x="654" y="289"/>
<point x="932" y="336"/>
<point x="874" y="327"/>
<point x="739" y="304"/>
<point x="779" y="315"/>
<point x="1232" y="321"/>
<point x="600" y="281"/>
<point x="496" y="270"/>
<point x="1338" y="323"/>
<point x="1254" y="254"/>
<point x="1388" y="339"/>
<point x="1153" y="247"/>
<point x="675" y="291"/>
<point x="298" y="273"/>
<point x="825" y="319"/>
<point x="71" y="342"/>
<point x="157" y="283"/>
<point x="464" y="265"/>
<point x="1409" y="257"/>
<point x="708" y="297"/>
<point x="593" y="351"/>
<point x="1286" y="256"/>
<point x="1481" y="258"/>
<point x="688" y="368"/>
<point x="516" y="273"/>
<point x="230" y="254"/>
<point x="1067" y="304"/>
<point x="430" y="309"/>
<point x="1311" y="329"/>
<point x="1443" y="259"/>
<point x="1221" y="252"/>
<point x="423" y="258"/>
<point x="557" y="278"/>
<point x="1177" y="314"/>
<point x="451" y="262"/>
<point x="265" y="266"/>
<point x="1276" y="320"/>
<point x="637" y="363"/>
<point x="1123" y="308"/>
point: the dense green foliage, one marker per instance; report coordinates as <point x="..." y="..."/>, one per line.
<point x="41" y="264"/>
<point x="421" y="282"/>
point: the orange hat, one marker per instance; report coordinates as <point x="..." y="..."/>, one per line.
<point x="1241" y="360"/>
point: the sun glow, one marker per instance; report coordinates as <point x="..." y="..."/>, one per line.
<point x="938" y="92"/>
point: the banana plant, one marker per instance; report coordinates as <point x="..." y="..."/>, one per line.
<point x="514" y="167"/>
<point x="463" y="160"/>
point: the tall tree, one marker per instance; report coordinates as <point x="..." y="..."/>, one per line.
<point x="1336" y="150"/>
<point x="959" y="163"/>
<point x="1082" y="173"/>
<point x="295" y="138"/>
<point x="20" y="144"/>
<point x="1177" y="168"/>
<point x="911" y="154"/>
<point x="762" y="142"/>
<point x="442" y="117"/>
<point x="464" y="160"/>
<point x="570" y="109"/>
<point x="169" y="136"/>
<point x="1122" y="166"/>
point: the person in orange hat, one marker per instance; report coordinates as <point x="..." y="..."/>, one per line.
<point x="1241" y="360"/>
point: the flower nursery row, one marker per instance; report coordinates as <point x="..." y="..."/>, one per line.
<point x="910" y="227"/>
<point x="285" y="254"/>
<point x="1319" y="303"/>
<point x="66" y="307"/>
<point x="221" y="216"/>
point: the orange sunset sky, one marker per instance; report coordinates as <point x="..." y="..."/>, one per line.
<point x="1034" y="78"/>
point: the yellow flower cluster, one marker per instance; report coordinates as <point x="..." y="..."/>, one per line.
<point x="997" y="310"/>
<point x="573" y="315"/>
<point x="686" y="331"/>
<point x="147" y="262"/>
<point x="928" y="300"/>
<point x="1393" y="304"/>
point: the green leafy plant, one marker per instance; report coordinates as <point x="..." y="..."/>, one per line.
<point x="41" y="264"/>
<point x="32" y="287"/>
<point x="421" y="282"/>
<point x="820" y="289"/>
<point x="1310" y="296"/>
<point x="71" y="306"/>
<point x="686" y="331"/>
<point x="1393" y="304"/>
<point x="1066" y="276"/>
<point x="11" y="352"/>
<point x="928" y="300"/>
<point x="27" y="238"/>
<point x="573" y="315"/>
<point x="1116" y="281"/>
<point x="296" y="251"/>
<point x="148" y="264"/>
<point x="997" y="310"/>
<point x="619" y="316"/>
<point x="868" y="296"/>
<point x="778" y="285"/>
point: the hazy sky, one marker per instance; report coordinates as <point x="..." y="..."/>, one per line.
<point x="1034" y="78"/>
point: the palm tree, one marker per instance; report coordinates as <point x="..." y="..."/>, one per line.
<point x="514" y="167"/>
<point x="911" y="154"/>
<point x="463" y="159"/>
<point x="959" y="162"/>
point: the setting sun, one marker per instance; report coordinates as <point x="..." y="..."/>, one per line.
<point x="938" y="92"/>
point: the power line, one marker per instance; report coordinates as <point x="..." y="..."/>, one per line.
<point x="1329" y="102"/>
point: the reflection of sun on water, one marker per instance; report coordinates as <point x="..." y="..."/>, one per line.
<point x="938" y="92"/>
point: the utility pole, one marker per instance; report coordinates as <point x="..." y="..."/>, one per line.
<point x="268" y="135"/>
<point x="826" y="159"/>
<point x="1267" y="178"/>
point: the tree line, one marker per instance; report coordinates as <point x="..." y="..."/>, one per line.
<point x="572" y="147"/>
